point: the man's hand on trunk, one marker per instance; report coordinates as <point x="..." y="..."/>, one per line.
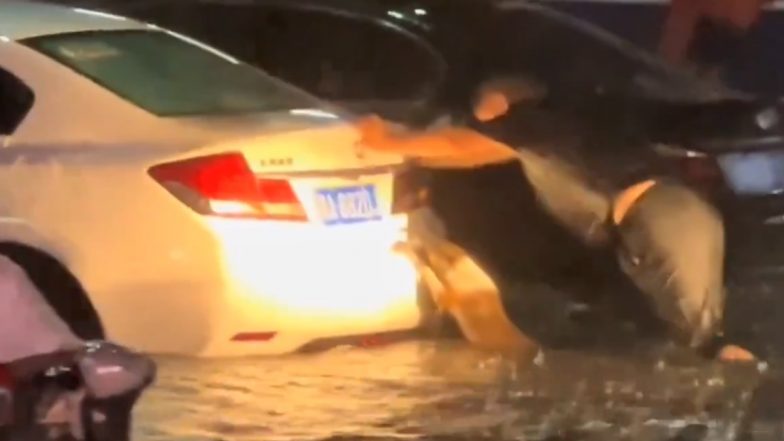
<point x="447" y="147"/>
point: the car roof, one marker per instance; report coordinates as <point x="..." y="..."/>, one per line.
<point x="20" y="19"/>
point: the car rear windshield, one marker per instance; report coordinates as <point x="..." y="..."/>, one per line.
<point x="169" y="74"/>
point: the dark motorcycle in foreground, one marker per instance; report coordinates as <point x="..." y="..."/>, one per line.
<point x="85" y="395"/>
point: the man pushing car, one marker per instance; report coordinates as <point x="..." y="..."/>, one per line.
<point x="668" y="241"/>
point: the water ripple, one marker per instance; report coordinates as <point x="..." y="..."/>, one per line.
<point x="439" y="391"/>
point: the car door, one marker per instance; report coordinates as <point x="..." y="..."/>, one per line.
<point x="365" y="64"/>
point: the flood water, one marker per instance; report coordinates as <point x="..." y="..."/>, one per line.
<point x="434" y="390"/>
<point x="444" y="390"/>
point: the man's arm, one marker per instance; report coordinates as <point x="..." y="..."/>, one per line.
<point x="679" y="30"/>
<point x="447" y="147"/>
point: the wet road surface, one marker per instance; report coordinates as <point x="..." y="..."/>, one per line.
<point x="444" y="390"/>
<point x="427" y="389"/>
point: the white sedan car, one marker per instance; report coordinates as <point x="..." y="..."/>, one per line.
<point x="169" y="197"/>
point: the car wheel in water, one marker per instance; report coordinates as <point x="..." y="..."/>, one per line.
<point x="60" y="288"/>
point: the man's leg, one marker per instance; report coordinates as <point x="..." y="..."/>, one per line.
<point x="671" y="245"/>
<point x="460" y="287"/>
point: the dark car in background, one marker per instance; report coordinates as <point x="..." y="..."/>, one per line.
<point x="415" y="61"/>
<point x="757" y="68"/>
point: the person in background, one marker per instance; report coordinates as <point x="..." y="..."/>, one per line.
<point x="669" y="241"/>
<point x="708" y="33"/>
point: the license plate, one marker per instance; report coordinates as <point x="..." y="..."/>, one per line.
<point x="754" y="173"/>
<point x="347" y="205"/>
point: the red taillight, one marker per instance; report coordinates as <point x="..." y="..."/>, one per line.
<point x="702" y="172"/>
<point x="6" y="378"/>
<point x="696" y="168"/>
<point x="411" y="191"/>
<point x="224" y="185"/>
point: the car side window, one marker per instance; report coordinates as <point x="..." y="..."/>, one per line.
<point x="344" y="58"/>
<point x="16" y="100"/>
<point x="567" y="58"/>
<point x="347" y="59"/>
<point x="226" y="26"/>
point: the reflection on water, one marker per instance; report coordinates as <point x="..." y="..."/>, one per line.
<point x="444" y="390"/>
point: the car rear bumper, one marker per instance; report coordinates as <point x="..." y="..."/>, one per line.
<point x="282" y="288"/>
<point x="345" y="283"/>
